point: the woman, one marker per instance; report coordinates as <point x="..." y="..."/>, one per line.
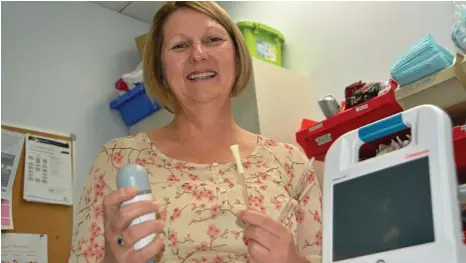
<point x="195" y="61"/>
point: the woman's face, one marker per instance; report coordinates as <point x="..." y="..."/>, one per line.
<point x="198" y="58"/>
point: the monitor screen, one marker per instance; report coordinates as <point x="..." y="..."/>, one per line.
<point x="384" y="210"/>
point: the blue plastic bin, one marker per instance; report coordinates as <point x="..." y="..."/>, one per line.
<point x="134" y="105"/>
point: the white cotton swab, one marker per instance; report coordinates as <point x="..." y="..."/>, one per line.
<point x="239" y="166"/>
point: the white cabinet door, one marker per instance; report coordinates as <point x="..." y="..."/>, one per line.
<point x="284" y="98"/>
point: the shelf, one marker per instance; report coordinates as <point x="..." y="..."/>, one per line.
<point x="445" y="89"/>
<point x="457" y="113"/>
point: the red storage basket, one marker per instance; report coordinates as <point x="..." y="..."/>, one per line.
<point x="464" y="235"/>
<point x="317" y="139"/>
<point x="459" y="145"/>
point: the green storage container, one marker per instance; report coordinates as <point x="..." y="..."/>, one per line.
<point x="264" y="42"/>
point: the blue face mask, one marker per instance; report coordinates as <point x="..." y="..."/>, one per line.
<point x="422" y="59"/>
<point x="458" y="34"/>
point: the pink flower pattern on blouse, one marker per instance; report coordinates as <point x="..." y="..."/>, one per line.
<point x="202" y="200"/>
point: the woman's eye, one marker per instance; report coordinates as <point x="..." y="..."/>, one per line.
<point x="213" y="40"/>
<point x="179" y="46"/>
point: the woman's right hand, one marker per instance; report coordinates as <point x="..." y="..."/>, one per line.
<point x="116" y="224"/>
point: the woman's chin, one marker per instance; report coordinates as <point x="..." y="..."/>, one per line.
<point x="212" y="99"/>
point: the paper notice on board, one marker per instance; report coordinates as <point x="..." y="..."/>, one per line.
<point x="48" y="175"/>
<point x="12" y="146"/>
<point x="24" y="248"/>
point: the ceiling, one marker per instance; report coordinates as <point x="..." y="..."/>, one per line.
<point x="140" y="10"/>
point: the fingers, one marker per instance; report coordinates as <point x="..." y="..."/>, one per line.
<point x="162" y="215"/>
<point x="149" y="252"/>
<point x="258" y="253"/>
<point x="263" y="221"/>
<point x="260" y="236"/>
<point x="139" y="231"/>
<point x="111" y="204"/>
<point x="117" y="220"/>
<point x="132" y="211"/>
<point x="113" y="200"/>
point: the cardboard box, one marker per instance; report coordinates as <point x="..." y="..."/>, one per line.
<point x="444" y="89"/>
<point x="140" y="42"/>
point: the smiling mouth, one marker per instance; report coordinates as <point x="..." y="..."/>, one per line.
<point x="204" y="75"/>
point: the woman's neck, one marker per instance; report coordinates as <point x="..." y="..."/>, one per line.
<point x="203" y="137"/>
<point x="209" y="127"/>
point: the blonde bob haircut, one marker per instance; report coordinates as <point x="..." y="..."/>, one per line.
<point x="156" y="87"/>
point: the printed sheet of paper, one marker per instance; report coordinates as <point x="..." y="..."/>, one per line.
<point x="24" y="248"/>
<point x="7" y="214"/>
<point x="12" y="146"/>
<point x="48" y="175"/>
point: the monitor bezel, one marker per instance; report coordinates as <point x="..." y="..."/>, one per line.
<point x="436" y="251"/>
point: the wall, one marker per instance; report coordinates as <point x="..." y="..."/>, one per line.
<point x="60" y="62"/>
<point x="338" y="43"/>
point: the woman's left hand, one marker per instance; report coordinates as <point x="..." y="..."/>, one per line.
<point x="269" y="241"/>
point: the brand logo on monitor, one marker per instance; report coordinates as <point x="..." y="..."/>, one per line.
<point x="416" y="154"/>
<point x="380" y="261"/>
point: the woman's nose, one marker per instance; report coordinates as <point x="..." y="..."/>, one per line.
<point x="198" y="53"/>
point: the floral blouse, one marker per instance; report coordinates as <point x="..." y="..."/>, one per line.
<point x="201" y="200"/>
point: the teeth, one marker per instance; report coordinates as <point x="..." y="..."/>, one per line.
<point x="202" y="75"/>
